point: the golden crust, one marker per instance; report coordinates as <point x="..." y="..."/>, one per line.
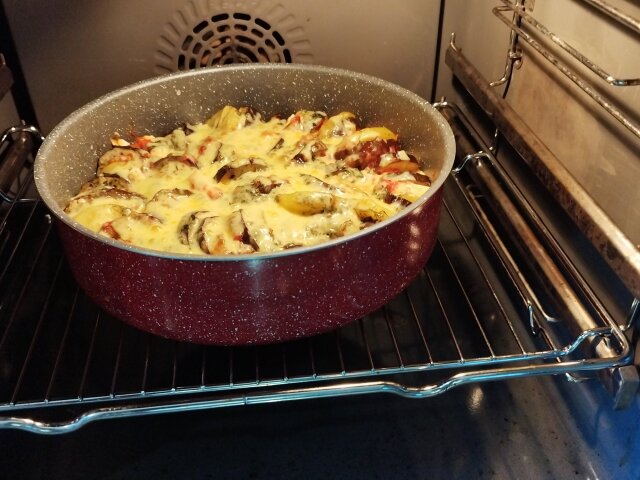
<point x="237" y="184"/>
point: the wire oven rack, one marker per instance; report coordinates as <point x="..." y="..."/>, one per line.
<point x="470" y="316"/>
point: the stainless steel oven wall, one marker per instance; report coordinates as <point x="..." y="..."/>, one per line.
<point x="72" y="54"/>
<point x="598" y="151"/>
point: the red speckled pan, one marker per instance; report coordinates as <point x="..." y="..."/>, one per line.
<point x="257" y="298"/>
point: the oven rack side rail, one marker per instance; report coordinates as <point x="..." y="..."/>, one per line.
<point x="521" y="17"/>
<point x="619" y="251"/>
<point x="471" y="316"/>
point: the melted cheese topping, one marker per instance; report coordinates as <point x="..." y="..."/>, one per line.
<point x="239" y="184"/>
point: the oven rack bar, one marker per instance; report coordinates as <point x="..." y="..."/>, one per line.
<point x="618" y="16"/>
<point x="289" y="394"/>
<point x="463" y="320"/>
<point x="568" y="358"/>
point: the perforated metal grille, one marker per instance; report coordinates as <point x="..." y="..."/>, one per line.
<point x="236" y="38"/>
<point x="196" y="38"/>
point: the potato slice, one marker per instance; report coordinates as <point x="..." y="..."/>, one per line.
<point x="307" y="203"/>
<point x="95" y="216"/>
<point x="167" y="201"/>
<point x="231" y="118"/>
<point x="371" y="211"/>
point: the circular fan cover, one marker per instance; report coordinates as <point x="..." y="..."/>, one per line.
<point x="203" y="34"/>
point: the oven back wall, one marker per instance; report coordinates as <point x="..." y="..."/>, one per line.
<point x="72" y="54"/>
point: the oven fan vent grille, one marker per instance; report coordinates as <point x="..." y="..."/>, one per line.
<point x="196" y="39"/>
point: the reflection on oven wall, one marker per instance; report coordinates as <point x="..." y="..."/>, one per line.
<point x="83" y="52"/>
<point x="597" y="150"/>
<point x="8" y="113"/>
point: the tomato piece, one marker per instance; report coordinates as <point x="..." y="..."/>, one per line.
<point x="108" y="229"/>
<point x="141" y="143"/>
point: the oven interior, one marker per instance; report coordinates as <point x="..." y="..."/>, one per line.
<point x="531" y="276"/>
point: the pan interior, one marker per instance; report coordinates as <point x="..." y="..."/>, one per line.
<point x="68" y="157"/>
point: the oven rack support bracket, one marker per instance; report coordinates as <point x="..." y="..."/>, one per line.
<point x="521" y="14"/>
<point x="514" y="59"/>
<point x="619" y="252"/>
<point x="19" y="141"/>
<point x="621" y="382"/>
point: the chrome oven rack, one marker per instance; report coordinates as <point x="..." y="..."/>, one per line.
<point x="479" y="311"/>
